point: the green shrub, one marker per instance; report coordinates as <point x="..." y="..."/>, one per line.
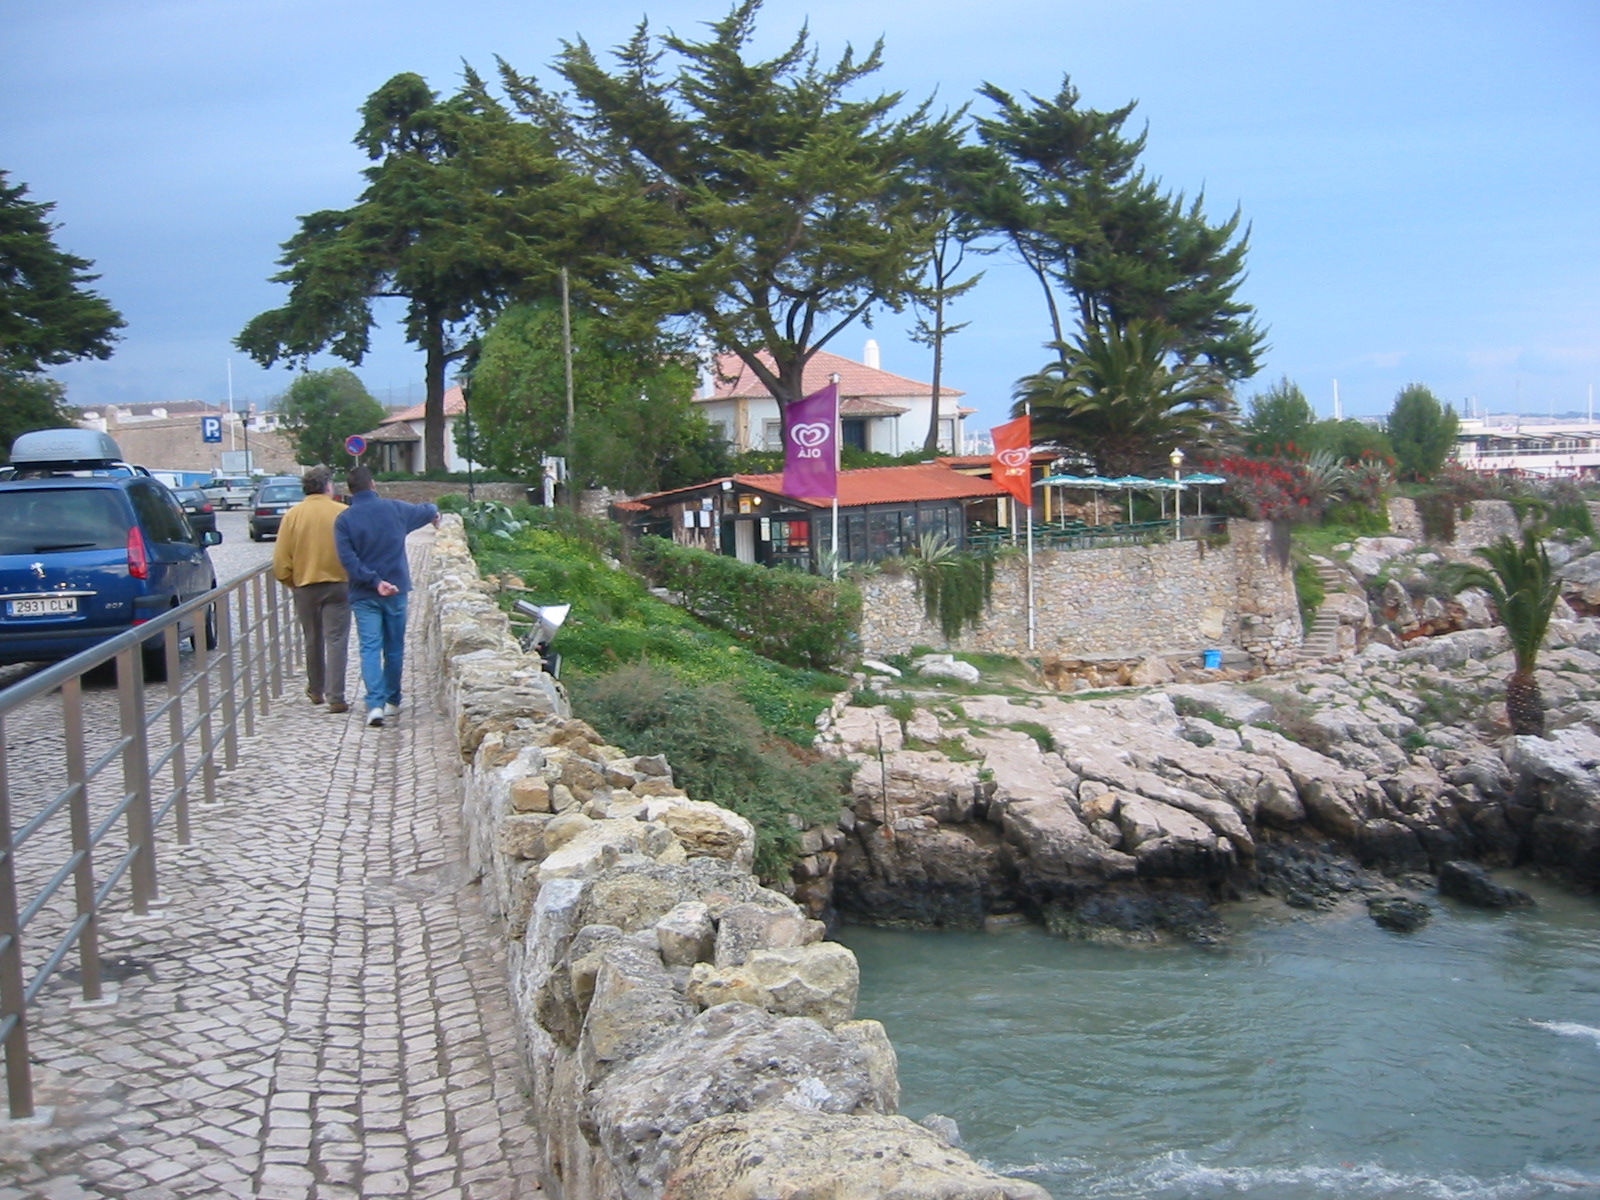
<point x="955" y="585"/>
<point x="1309" y="591"/>
<point x="1361" y="520"/>
<point x="788" y="616"/>
<point x="719" y="752"/>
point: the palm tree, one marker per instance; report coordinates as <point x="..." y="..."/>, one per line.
<point x="1118" y="396"/>
<point x="1524" y="589"/>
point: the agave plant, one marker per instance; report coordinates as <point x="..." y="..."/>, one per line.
<point x="1524" y="588"/>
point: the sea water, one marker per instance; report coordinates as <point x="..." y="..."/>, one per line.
<point x="1312" y="1057"/>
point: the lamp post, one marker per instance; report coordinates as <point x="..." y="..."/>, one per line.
<point x="1176" y="459"/>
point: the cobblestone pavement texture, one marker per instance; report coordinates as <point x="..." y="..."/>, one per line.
<point x="318" y="1010"/>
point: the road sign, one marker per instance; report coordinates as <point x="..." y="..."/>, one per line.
<point x="211" y="429"/>
<point x="356" y="445"/>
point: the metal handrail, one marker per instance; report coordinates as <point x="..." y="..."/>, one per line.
<point x="258" y="641"/>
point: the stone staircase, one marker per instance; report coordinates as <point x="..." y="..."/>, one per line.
<point x="1322" y="639"/>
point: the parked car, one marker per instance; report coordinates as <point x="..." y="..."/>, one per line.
<point x="271" y="501"/>
<point x="88" y="550"/>
<point x="230" y="491"/>
<point x="198" y="508"/>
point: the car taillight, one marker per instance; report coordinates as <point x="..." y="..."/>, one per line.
<point x="138" y="561"/>
<point x="205" y="508"/>
<point x="263" y="512"/>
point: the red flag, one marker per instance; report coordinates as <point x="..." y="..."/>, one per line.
<point x="1012" y="464"/>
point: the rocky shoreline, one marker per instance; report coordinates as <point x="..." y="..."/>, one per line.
<point x="1133" y="815"/>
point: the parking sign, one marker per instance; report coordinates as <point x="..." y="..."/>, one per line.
<point x="211" y="429"/>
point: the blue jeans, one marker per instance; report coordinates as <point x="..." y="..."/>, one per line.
<point x="381" y="633"/>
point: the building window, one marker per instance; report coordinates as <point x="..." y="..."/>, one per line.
<point x="772" y="435"/>
<point x="854" y="433"/>
<point x="947" y="435"/>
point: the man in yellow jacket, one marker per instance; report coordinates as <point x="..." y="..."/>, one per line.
<point x="306" y="561"/>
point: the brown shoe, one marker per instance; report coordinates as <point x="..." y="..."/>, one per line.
<point x="314" y="697"/>
<point x="338" y="706"/>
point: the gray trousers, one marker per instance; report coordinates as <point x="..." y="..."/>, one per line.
<point x="324" y="612"/>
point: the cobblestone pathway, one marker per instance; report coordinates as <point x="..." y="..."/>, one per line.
<point x="318" y="1010"/>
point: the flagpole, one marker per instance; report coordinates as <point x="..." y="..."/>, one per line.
<point x="838" y="458"/>
<point x="1028" y="412"/>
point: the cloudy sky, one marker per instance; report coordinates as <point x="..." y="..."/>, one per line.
<point x="1422" y="178"/>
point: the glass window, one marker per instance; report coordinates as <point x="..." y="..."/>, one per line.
<point x="33" y="522"/>
<point x="884" y="534"/>
<point x="281" y="493"/>
<point x="772" y="435"/>
<point x="159" y="513"/>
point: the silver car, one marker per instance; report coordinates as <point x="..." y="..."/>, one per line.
<point x="230" y="491"/>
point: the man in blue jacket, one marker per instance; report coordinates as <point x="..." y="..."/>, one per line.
<point x="371" y="539"/>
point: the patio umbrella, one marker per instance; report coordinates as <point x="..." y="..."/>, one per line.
<point x="1131" y="484"/>
<point x="1199" y="480"/>
<point x="1096" y="483"/>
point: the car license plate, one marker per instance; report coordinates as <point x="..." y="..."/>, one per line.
<point x="44" y="606"/>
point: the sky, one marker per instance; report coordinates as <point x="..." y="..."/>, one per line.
<point x="1421" y="178"/>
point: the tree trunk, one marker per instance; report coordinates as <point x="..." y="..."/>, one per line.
<point x="1524" y="704"/>
<point x="433" y="409"/>
<point x="930" y="444"/>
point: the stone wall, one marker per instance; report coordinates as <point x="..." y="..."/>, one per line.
<point x="1119" y="602"/>
<point x="427" y="491"/>
<point x="686" y="1031"/>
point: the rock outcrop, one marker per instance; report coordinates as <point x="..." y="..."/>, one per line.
<point x="1131" y="815"/>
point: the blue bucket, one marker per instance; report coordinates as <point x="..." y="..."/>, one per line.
<point x="1212" y="659"/>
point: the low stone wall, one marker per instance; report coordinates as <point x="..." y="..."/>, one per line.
<point x="686" y="1031"/>
<point x="1118" y="602"/>
<point x="428" y="491"/>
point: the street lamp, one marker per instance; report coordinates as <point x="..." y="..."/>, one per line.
<point x="1176" y="459"/>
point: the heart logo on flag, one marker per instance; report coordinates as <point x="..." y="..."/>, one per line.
<point x="1014" y="458"/>
<point x="810" y="435"/>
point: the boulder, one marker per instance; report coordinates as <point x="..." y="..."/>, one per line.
<point x="946" y="666"/>
<point x="685" y="934"/>
<point x="1471" y="884"/>
<point x="820" y="981"/>
<point x="734" y="1058"/>
<point x="799" y="1154"/>
<point x="706" y="830"/>
<point x="1399" y="914"/>
<point x="745" y="928"/>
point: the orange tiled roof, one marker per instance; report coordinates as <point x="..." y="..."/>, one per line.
<point x="455" y="404"/>
<point x="734" y="379"/>
<point x="889" y="485"/>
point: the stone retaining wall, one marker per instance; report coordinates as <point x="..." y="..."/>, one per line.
<point x="1118" y="602"/>
<point x="686" y="1031"/>
<point x="428" y="491"/>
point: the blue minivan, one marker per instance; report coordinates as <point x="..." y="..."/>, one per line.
<point x="89" y="548"/>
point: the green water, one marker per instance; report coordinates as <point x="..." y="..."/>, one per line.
<point x="1313" y="1057"/>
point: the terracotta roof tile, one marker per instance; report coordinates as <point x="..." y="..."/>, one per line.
<point x="454" y="405"/>
<point x="734" y="379"/>
<point x="889" y="485"/>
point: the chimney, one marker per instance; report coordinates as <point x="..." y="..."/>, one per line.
<point x="870" y="356"/>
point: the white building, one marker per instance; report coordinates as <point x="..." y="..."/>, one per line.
<point x="396" y="444"/>
<point x="1528" y="445"/>
<point x="878" y="411"/>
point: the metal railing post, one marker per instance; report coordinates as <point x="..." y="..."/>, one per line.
<point x="179" y="759"/>
<point x="247" y="662"/>
<point x="83" y="874"/>
<point x="136" y="778"/>
<point x="275" y="634"/>
<point x="208" y="740"/>
<point x="13" y="1001"/>
<point x="230" y="695"/>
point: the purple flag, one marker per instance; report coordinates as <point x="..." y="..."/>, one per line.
<point x="811" y="446"/>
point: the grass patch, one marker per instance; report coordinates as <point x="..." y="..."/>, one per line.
<point x="1046" y="739"/>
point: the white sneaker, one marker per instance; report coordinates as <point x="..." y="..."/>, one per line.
<point x="391" y="710"/>
<point x="375" y="718"/>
